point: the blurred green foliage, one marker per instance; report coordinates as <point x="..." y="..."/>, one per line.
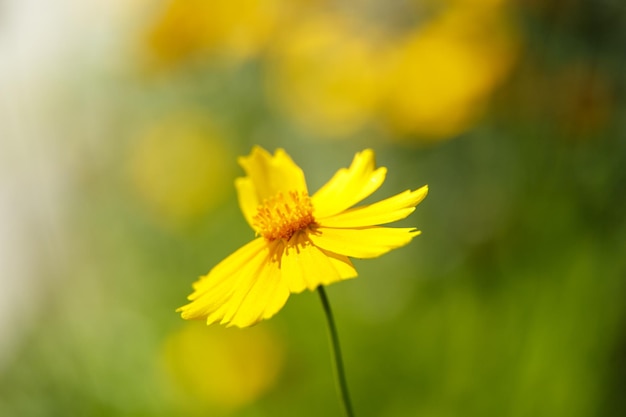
<point x="511" y="302"/>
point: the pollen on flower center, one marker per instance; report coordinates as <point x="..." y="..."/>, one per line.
<point x="282" y="215"/>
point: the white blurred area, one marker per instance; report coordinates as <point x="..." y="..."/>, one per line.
<point x="43" y="44"/>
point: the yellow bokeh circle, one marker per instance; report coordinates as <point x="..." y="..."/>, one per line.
<point x="180" y="167"/>
<point x="222" y="368"/>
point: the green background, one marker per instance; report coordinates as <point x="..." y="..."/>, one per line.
<point x="510" y="303"/>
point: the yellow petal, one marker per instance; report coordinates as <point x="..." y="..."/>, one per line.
<point x="248" y="199"/>
<point x="385" y="211"/>
<point x="214" y="289"/>
<point x="349" y="185"/>
<point x="305" y="266"/>
<point x="367" y="242"/>
<point x="240" y="290"/>
<point x="218" y="277"/>
<point x="260" y="296"/>
<point x="271" y="174"/>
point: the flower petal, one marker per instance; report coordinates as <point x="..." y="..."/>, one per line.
<point x="349" y="185"/>
<point x="261" y="296"/>
<point x="267" y="175"/>
<point x="305" y="266"/>
<point x="385" y="211"/>
<point x="271" y="174"/>
<point x="240" y="290"/>
<point x="248" y="199"/>
<point x="369" y="242"/>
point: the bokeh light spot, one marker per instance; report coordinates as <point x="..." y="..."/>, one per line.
<point x="180" y="168"/>
<point x="223" y="368"/>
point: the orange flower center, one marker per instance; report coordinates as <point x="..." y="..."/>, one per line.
<point x="282" y="215"/>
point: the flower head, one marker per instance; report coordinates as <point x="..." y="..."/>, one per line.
<point x="302" y="241"/>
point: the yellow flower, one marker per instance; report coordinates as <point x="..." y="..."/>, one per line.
<point x="235" y="29"/>
<point x="302" y="241"/>
<point x="442" y="74"/>
<point x="327" y="75"/>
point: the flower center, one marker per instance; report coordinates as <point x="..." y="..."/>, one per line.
<point x="282" y="215"/>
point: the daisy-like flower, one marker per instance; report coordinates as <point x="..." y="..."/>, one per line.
<point x="302" y="241"/>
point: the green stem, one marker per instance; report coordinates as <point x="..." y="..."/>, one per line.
<point x="334" y="339"/>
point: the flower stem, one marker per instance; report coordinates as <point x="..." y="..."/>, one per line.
<point x="334" y="339"/>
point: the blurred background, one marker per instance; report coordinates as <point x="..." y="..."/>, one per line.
<point x="120" y="125"/>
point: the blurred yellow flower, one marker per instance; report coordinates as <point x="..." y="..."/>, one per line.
<point x="326" y="75"/>
<point x="334" y="74"/>
<point x="222" y="368"/>
<point x="236" y="29"/>
<point x="179" y="168"/>
<point x="442" y="74"/>
<point x="303" y="241"/>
